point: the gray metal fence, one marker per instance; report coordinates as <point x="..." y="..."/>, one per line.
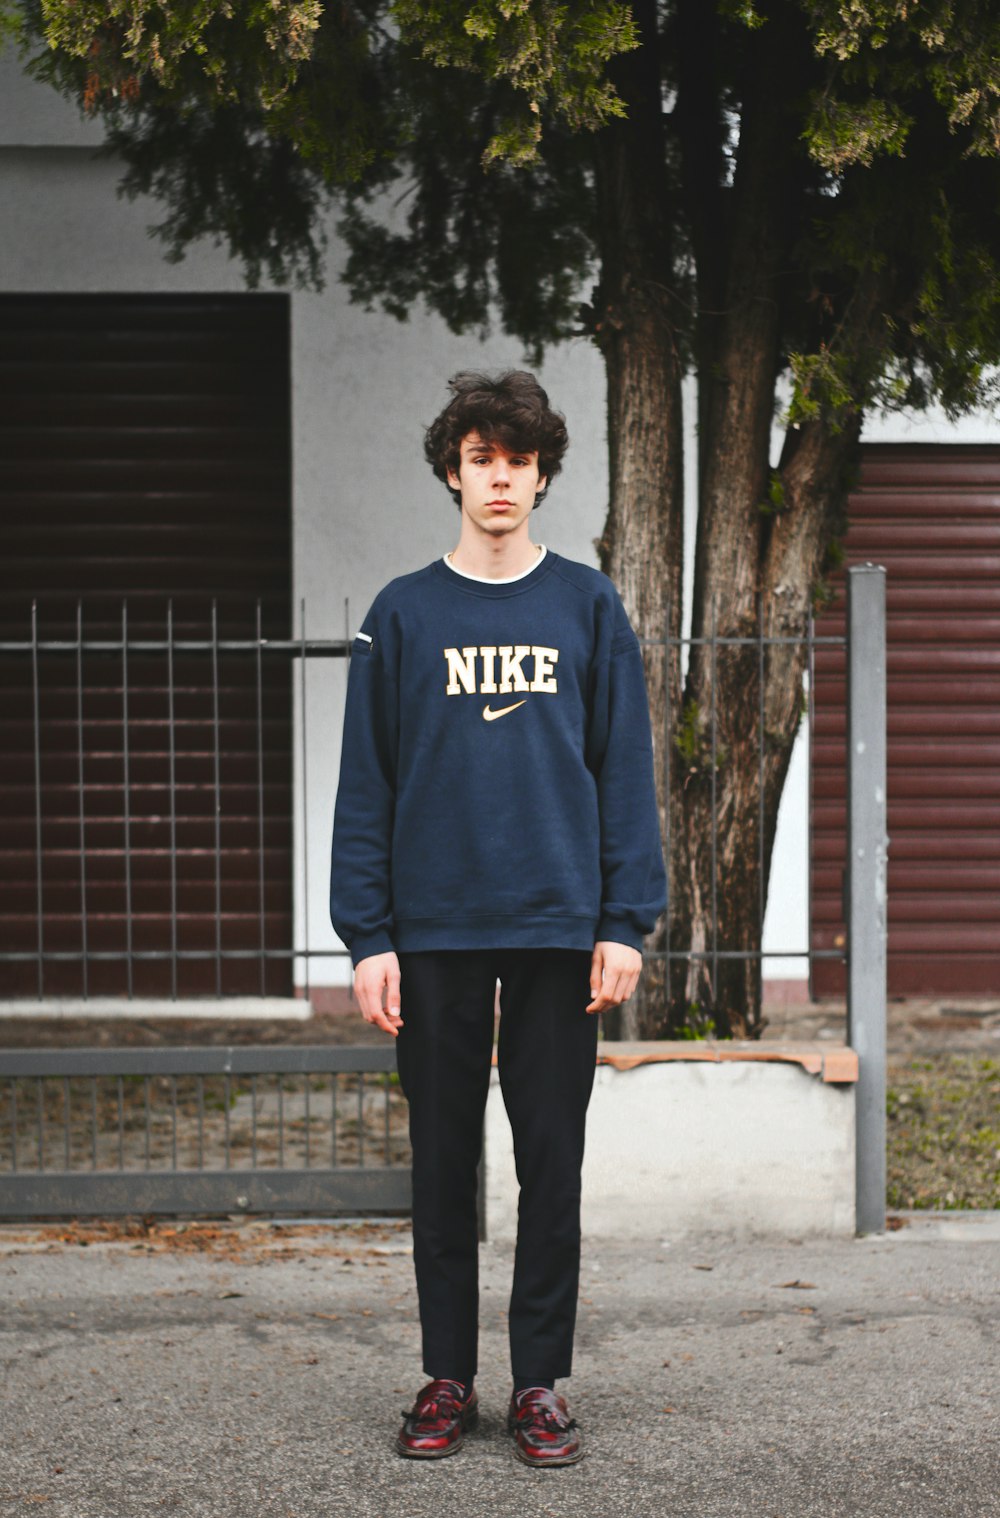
<point x="315" y="1130"/>
<point x="117" y="1176"/>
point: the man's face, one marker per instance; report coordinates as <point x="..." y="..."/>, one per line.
<point x="498" y="487"/>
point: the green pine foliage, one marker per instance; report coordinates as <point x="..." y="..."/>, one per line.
<point x="460" y="143"/>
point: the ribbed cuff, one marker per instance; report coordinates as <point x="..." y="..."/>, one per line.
<point x="618" y="930"/>
<point x="367" y="944"/>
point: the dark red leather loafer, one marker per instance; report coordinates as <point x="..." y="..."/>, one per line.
<point x="544" y="1433"/>
<point x="437" y="1422"/>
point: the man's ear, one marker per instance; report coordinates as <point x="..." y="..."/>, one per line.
<point x="453" y="479"/>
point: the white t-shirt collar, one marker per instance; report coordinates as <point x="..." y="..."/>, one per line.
<point x="487" y="579"/>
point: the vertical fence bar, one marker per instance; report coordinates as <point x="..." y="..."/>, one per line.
<point x="386" y="1088"/>
<point x="333" y="1119"/>
<point x="281" y="1121"/>
<point x="173" y="1122"/>
<point x="350" y="644"/>
<point x="127" y="812"/>
<point x="201" y="1122"/>
<point x="38" y="798"/>
<point x="811" y="711"/>
<point x="217" y="802"/>
<point x="305" y="796"/>
<point x="667" y="716"/>
<point x="93" y="1123"/>
<point x="760" y="784"/>
<point x="867" y="864"/>
<point x="260" y="806"/>
<point x="146" y="1117"/>
<point x="715" y="892"/>
<point x="253" y="1122"/>
<point x="172" y="746"/>
<point x="308" y="1154"/>
<point x="66" y="1123"/>
<point x="121" y="1124"/>
<point x="13" y="1125"/>
<point x="225" y="1105"/>
<point x="41" y="1123"/>
<point x="79" y="772"/>
<point x="361" y="1117"/>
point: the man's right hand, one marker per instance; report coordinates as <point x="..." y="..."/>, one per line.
<point x="371" y="975"/>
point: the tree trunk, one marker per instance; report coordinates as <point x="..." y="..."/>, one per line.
<point x="726" y="732"/>
<point x="635" y="320"/>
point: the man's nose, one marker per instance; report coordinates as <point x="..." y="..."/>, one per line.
<point x="501" y="471"/>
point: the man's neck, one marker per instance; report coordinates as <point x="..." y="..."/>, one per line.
<point x="494" y="558"/>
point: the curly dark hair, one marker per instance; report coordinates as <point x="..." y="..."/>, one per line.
<point x="511" y="409"/>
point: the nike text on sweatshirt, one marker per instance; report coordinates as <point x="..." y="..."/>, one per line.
<point x="496" y="780"/>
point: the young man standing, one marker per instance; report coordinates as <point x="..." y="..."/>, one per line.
<point x="496" y="819"/>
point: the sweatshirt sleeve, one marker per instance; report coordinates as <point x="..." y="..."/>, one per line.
<point x="620" y="755"/>
<point x="361" y="855"/>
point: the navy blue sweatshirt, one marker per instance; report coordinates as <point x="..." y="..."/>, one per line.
<point x="496" y="780"/>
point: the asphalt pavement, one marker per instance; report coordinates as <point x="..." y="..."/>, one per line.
<point x="244" y="1371"/>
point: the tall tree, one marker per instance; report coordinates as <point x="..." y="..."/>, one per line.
<point x="790" y="198"/>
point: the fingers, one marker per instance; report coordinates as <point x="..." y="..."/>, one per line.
<point x="596" y="979"/>
<point x="392" y="1007"/>
<point x="613" y="992"/>
<point x="596" y="968"/>
<point x="372" y="976"/>
<point x="614" y="975"/>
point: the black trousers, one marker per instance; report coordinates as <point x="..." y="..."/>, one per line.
<point x="546" y="1056"/>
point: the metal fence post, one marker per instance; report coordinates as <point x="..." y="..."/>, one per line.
<point x="867" y="861"/>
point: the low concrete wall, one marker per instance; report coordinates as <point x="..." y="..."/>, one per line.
<point x="744" y="1140"/>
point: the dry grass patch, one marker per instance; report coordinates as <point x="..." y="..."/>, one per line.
<point x="943" y="1142"/>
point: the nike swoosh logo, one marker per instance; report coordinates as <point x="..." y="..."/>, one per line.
<point x="491" y="716"/>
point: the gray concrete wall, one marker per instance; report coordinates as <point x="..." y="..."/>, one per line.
<point x="748" y="1150"/>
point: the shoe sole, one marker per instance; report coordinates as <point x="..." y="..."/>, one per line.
<point x="540" y="1461"/>
<point x="468" y="1423"/>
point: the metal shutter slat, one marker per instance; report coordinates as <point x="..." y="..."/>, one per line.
<point x="147" y="454"/>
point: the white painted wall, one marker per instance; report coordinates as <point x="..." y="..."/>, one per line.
<point x="365" y="505"/>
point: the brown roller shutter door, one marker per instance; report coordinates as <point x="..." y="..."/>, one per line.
<point x="931" y="515"/>
<point x="146" y="447"/>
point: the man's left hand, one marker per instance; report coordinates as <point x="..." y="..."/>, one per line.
<point x="614" y="974"/>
